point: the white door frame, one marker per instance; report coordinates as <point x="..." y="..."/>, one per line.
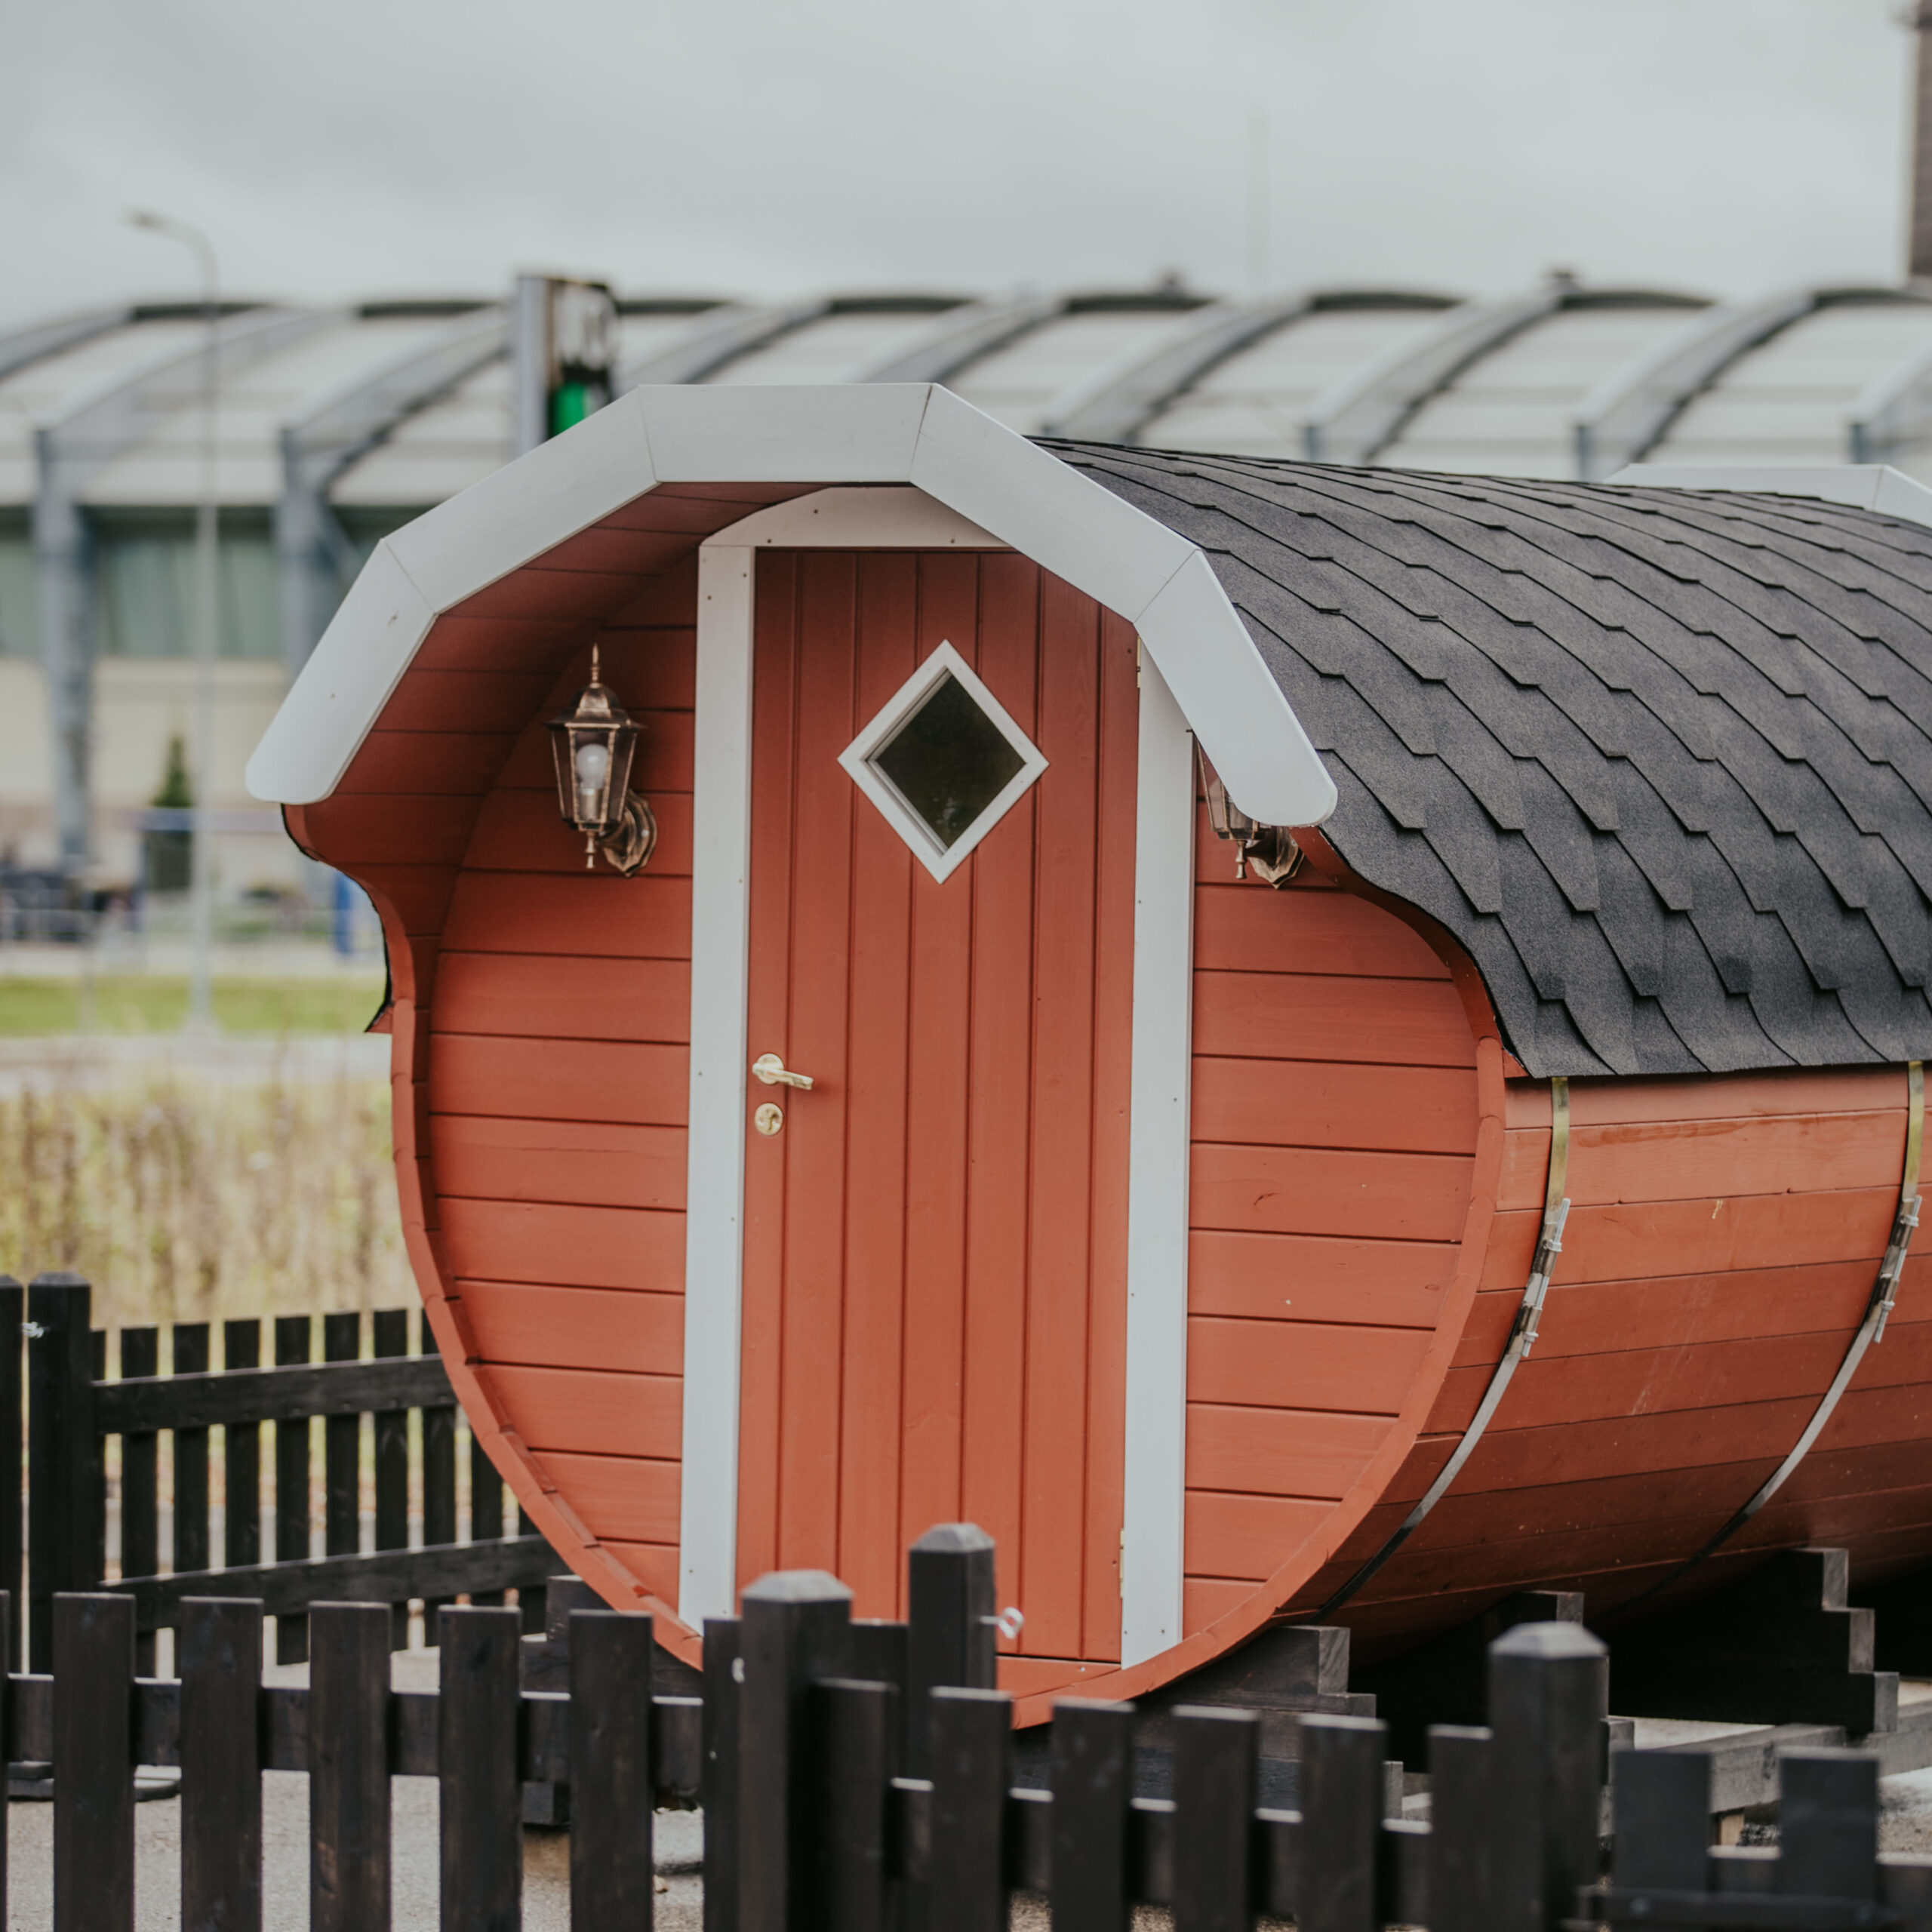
<point x="1155" y="1495"/>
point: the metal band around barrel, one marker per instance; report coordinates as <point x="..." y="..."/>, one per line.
<point x="1522" y="1339"/>
<point x="1870" y="1329"/>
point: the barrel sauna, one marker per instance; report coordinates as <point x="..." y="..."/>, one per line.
<point x="981" y="1106"/>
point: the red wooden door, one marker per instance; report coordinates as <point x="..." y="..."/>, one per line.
<point x="934" y="1309"/>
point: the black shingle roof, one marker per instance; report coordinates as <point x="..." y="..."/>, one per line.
<point x="1661" y="760"/>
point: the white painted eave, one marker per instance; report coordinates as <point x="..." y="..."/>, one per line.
<point x="873" y="433"/>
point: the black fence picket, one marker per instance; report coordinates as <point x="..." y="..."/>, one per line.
<point x="813" y="1822"/>
<point x="74" y="1409"/>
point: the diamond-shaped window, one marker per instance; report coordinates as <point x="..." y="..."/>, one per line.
<point x="943" y="760"/>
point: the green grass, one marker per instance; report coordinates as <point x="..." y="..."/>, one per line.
<point x="138" y="1003"/>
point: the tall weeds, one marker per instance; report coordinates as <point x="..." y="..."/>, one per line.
<point x="183" y="1199"/>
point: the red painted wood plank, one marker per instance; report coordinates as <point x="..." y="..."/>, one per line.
<point x="1704" y="1237"/>
<point x="1278" y="1452"/>
<point x="1005" y="650"/>
<point x="591" y="1247"/>
<point x="362" y="828"/>
<point x="616" y="549"/>
<point x="653" y="1565"/>
<point x="1308" y="1365"/>
<point x="1308" y="1016"/>
<point x="1315" y="1278"/>
<point x="562" y="996"/>
<point x="574" y="1162"/>
<point x="594" y="1414"/>
<point x="1058" y="1256"/>
<point x="554" y="596"/>
<point x="1679" y="1311"/>
<point x="1301" y="1190"/>
<point x="1636" y="1382"/>
<point x="621" y="1498"/>
<point x="612" y="1329"/>
<point x="1321" y="1103"/>
<point x="524" y="831"/>
<point x="652" y="667"/>
<point x="1202" y="1599"/>
<point x="1610" y="1102"/>
<point x="1240" y="930"/>
<point x="416" y="896"/>
<point x="937" y="1070"/>
<point x="1675" y="1160"/>
<point x="496" y="644"/>
<point x="1246" y="1536"/>
<point x="597" y="914"/>
<point x="875" y="1257"/>
<point x="469" y="699"/>
<point x="540" y="1079"/>
<point x="426" y="763"/>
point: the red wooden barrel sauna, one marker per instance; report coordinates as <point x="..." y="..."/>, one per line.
<point x="1138" y="951"/>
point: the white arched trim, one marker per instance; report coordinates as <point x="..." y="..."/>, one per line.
<point x="862" y="433"/>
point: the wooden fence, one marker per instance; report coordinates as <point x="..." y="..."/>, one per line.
<point x="73" y="1408"/>
<point x="845" y="1786"/>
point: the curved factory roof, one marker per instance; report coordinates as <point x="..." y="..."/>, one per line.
<point x="1393" y="377"/>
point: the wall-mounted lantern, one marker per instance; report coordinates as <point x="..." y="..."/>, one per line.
<point x="593" y="744"/>
<point x="1270" y="849"/>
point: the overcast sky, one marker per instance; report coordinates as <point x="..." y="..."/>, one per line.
<point x="763" y="147"/>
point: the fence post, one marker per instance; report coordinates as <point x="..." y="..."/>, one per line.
<point x="66" y="1495"/>
<point x="1548" y="1685"/>
<point x="718" y="1780"/>
<point x="140" y="1485"/>
<point x="857" y="1728"/>
<point x="1461" y="1820"/>
<point x="349" y="1769"/>
<point x="971" y="1736"/>
<point x="193" y="1550"/>
<point x="219" y="1640"/>
<point x="951" y="1640"/>
<point x="13" y="1323"/>
<point x="792" y="1629"/>
<point x="1660" y="1822"/>
<point x="1216" y="1770"/>
<point x="1093" y="1787"/>
<point x="612" y="1874"/>
<point x="93" y="1658"/>
<point x="1827" y="1824"/>
<point x="293" y="1344"/>
<point x="478" y="1708"/>
<point x="241" y="1514"/>
<point x="1341" y="1821"/>
<point x="389" y="1335"/>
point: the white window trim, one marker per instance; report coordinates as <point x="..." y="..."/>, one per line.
<point x="942" y="861"/>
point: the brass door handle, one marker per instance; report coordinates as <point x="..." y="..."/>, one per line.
<point x="773" y="1071"/>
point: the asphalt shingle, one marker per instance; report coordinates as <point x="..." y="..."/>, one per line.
<point x="1660" y="760"/>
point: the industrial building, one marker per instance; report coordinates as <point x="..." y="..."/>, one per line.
<point x="337" y="425"/>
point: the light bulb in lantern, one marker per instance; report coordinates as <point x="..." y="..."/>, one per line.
<point x="593" y="765"/>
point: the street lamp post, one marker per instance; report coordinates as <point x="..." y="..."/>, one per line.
<point x="201" y="875"/>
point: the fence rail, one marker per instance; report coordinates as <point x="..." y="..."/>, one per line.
<point x="73" y="1408"/>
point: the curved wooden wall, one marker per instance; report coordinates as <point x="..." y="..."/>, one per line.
<point x="1721" y="1248"/>
<point x="1367" y="1188"/>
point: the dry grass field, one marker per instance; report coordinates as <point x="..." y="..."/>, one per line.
<point x="186" y="1199"/>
